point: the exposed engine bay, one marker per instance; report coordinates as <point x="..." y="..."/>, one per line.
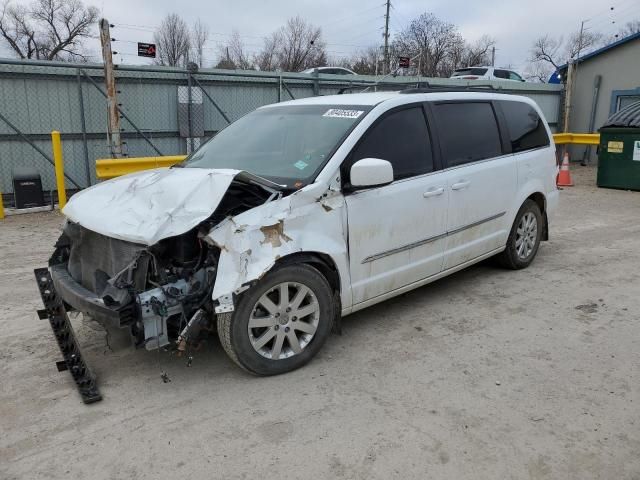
<point x="162" y="292"/>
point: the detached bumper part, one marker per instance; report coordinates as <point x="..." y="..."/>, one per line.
<point x="84" y="300"/>
<point x="55" y="312"/>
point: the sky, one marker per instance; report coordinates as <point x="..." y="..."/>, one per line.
<point x="352" y="25"/>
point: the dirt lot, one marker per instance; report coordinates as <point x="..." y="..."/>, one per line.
<point x="485" y="374"/>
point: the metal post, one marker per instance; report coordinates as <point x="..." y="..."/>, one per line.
<point x="1" y="207"/>
<point x="59" y="167"/>
<point x="110" y="84"/>
<point x="190" y="140"/>
<point x="592" y="117"/>
<point x="316" y="83"/>
<point x="83" y="125"/>
<point x="279" y="88"/>
<point x="284" y="85"/>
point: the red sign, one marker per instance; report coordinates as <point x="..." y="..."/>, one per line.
<point x="404" y="62"/>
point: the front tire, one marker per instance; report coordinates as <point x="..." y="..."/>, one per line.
<point x="280" y="323"/>
<point x="524" y="238"/>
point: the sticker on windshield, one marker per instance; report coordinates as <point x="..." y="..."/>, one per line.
<point x="301" y="164"/>
<point x="340" y="113"/>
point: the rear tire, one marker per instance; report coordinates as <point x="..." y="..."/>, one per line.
<point x="524" y="238"/>
<point x="280" y="323"/>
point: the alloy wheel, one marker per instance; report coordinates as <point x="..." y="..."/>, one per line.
<point x="526" y="235"/>
<point x="284" y="320"/>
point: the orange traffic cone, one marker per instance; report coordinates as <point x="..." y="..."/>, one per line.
<point x="564" y="176"/>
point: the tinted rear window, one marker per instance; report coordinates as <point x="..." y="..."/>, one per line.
<point x="526" y="128"/>
<point x="468" y="132"/>
<point x="470" y="71"/>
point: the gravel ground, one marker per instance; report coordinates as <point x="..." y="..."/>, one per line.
<point x="485" y="374"/>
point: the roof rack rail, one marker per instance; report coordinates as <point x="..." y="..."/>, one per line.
<point x="426" y="87"/>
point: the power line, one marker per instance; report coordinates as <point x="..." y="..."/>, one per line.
<point x="131" y="27"/>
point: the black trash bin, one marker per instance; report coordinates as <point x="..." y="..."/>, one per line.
<point x="27" y="188"/>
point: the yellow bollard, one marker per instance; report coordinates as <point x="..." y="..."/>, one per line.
<point x="58" y="160"/>
<point x="1" y="207"/>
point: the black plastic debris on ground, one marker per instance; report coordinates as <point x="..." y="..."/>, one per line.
<point x="73" y="361"/>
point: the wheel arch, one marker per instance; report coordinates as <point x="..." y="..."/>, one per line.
<point x="320" y="261"/>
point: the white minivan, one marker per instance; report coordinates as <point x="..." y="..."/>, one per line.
<point x="302" y="212"/>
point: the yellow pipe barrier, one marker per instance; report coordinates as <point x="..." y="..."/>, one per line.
<point x="1" y="207"/>
<point x="58" y="162"/>
<point x="111" y="168"/>
<point x="577" y="138"/>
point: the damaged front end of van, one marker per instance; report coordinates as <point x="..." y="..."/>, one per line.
<point x="160" y="253"/>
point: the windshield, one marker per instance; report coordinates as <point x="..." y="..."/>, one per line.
<point x="287" y="145"/>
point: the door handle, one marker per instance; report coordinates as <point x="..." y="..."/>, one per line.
<point x="433" y="192"/>
<point x="460" y="185"/>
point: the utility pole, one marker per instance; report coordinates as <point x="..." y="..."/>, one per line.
<point x="580" y="37"/>
<point x="110" y="84"/>
<point x="493" y="56"/>
<point x="568" y="92"/>
<point x="572" y="76"/>
<point x="386" y="38"/>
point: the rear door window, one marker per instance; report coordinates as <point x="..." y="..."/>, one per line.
<point x="526" y="128"/>
<point x="402" y="138"/>
<point x="468" y="132"/>
<point x="501" y="74"/>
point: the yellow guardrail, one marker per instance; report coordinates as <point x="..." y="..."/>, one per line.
<point x="110" y="168"/>
<point x="114" y="167"/>
<point x="577" y="138"/>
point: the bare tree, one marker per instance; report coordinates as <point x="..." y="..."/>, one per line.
<point x="538" y="72"/>
<point x="430" y="40"/>
<point x="47" y="29"/>
<point x="173" y="41"/>
<point x="438" y="48"/>
<point x="297" y="45"/>
<point x="579" y="43"/>
<point x="550" y="49"/>
<point x="266" y="60"/>
<point x="199" y="36"/>
<point x="365" y="62"/>
<point x="546" y="49"/>
<point x="479" y="52"/>
<point x="233" y="54"/>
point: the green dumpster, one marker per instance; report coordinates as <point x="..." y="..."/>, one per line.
<point x="619" y="151"/>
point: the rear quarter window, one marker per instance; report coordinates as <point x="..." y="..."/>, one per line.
<point x="525" y="127"/>
<point x="468" y="132"/>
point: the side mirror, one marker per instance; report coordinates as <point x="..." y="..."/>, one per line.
<point x="371" y="172"/>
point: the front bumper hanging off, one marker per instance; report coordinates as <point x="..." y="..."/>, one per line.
<point x="73" y="361"/>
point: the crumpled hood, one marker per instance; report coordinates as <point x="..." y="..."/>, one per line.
<point x="147" y="206"/>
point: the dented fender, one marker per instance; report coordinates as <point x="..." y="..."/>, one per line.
<point x="311" y="220"/>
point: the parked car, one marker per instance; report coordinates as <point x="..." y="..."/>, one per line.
<point x="486" y="73"/>
<point x="331" y="70"/>
<point x="302" y="212"/>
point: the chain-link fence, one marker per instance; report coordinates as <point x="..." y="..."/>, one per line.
<point x="164" y="111"/>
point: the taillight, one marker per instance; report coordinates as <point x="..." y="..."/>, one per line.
<point x="470" y="78"/>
